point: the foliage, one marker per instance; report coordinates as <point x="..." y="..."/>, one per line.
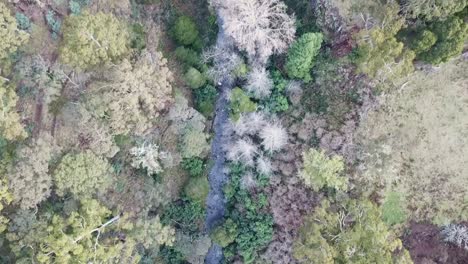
<point x="249" y="213"/>
<point x="260" y="38"/>
<point x="185" y="215"/>
<point x="393" y="209"/>
<point x="429" y="10"/>
<point x="92" y="234"/>
<point x="240" y="103"/>
<point x="5" y="199"/>
<point x="171" y="255"/>
<point x="353" y="233"/>
<point x="150" y="233"/>
<point x="10" y="125"/>
<point x="320" y="171"/>
<point x="187" y="56"/>
<point x="23" y="21"/>
<point x="82" y="174"/>
<point x="138" y="37"/>
<point x="197" y="189"/>
<point x="205" y="99"/>
<point x="277" y="102"/>
<point x="194" y="166"/>
<point x="132" y="95"/>
<point x="194" y="143"/>
<point x="29" y="178"/>
<point x="422" y="41"/>
<point x="379" y="54"/>
<point x="194" y="78"/>
<point x="12" y="37"/>
<point x="301" y="56"/>
<point x="54" y="23"/>
<point x="185" y="31"/>
<point x="147" y="156"/>
<point x="90" y="40"/>
<point x="451" y="35"/>
<point x="225" y="234"/>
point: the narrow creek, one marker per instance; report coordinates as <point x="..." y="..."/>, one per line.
<point x="215" y="202"/>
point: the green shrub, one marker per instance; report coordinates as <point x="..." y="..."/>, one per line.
<point x="54" y="23"/>
<point x="22" y="21"/>
<point x="194" y="78"/>
<point x="225" y="234"/>
<point x="240" y="103"/>
<point x="185" y="31"/>
<point x="205" y="99"/>
<point x="278" y="101"/>
<point x="197" y="189"/>
<point x="75" y="7"/>
<point x="138" y="37"/>
<point x="186" y="215"/>
<point x="301" y="56"/>
<point x="194" y="166"/>
<point x="423" y="41"/>
<point x="188" y="56"/>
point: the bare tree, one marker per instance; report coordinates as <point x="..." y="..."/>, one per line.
<point x="259" y="27"/>
<point x="224" y="62"/>
<point x="259" y="83"/>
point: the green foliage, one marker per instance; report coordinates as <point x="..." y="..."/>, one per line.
<point x="301" y="56"/>
<point x="393" y="209"/>
<point x="148" y="2"/>
<point x="187" y="56"/>
<point x="197" y="189"/>
<point x="194" y="166"/>
<point x="429" y="10"/>
<point x="194" y="143"/>
<point x="10" y="125"/>
<point x="75" y="7"/>
<point x="194" y="78"/>
<point x="250" y="214"/>
<point x="170" y="255"/>
<point x="90" y="40"/>
<point x="138" y="37"/>
<point x="186" y="215"/>
<point x="54" y="23"/>
<point x="185" y="31"/>
<point x="225" y="234"/>
<point x="451" y="36"/>
<point x="23" y="21"/>
<point x="422" y="41"/>
<point x="320" y="171"/>
<point x="350" y="233"/>
<point x="12" y="37"/>
<point x="205" y="99"/>
<point x="82" y="174"/>
<point x="240" y="103"/>
<point x="277" y="102"/>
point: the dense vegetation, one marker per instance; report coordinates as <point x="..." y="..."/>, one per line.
<point x="343" y="138"/>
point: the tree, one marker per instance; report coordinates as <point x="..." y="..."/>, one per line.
<point x="194" y="78"/>
<point x="353" y="233"/>
<point x="197" y="189"/>
<point x="194" y="143"/>
<point x="451" y="36"/>
<point x="301" y="56"/>
<point x="29" y="178"/>
<point x="430" y="9"/>
<point x="5" y="199"/>
<point x="225" y="234"/>
<point x="422" y="41"/>
<point x="132" y="95"/>
<point x="12" y="37"/>
<point x="240" y="103"/>
<point x="147" y="156"/>
<point x="259" y="27"/>
<point x="379" y="54"/>
<point x="185" y="31"/>
<point x="82" y="174"/>
<point x="10" y="126"/>
<point x="320" y="171"/>
<point x="259" y="83"/>
<point x="90" y="40"/>
<point x="273" y="136"/>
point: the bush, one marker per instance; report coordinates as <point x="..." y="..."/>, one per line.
<point x="138" y="37"/>
<point x="197" y="189"/>
<point x="188" y="56"/>
<point x="225" y="234"/>
<point x="23" y="21"/>
<point x="194" y="143"/>
<point x="53" y="23"/>
<point x="194" y="166"/>
<point x="321" y="171"/>
<point x="240" y="103"/>
<point x="205" y="100"/>
<point x="393" y="209"/>
<point x="194" y="78"/>
<point x="301" y="56"/>
<point x="187" y="215"/>
<point x="185" y="31"/>
<point x="277" y="102"/>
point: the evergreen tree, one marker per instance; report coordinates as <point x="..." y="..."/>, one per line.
<point x="301" y="56"/>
